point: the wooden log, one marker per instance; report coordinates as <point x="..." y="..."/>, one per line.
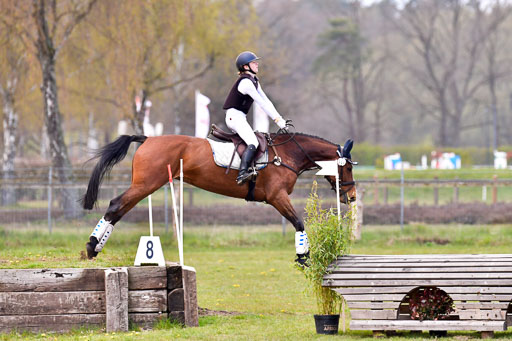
<point x="146" y="320"/>
<point x="176" y="300"/>
<point x="57" y="323"/>
<point x="74" y="302"/>
<point x="147" y="301"/>
<point x="116" y="292"/>
<point x="52" y="303"/>
<point x="52" y="280"/>
<point x="190" y="296"/>
<point x="174" y="276"/>
<point x="147" y="277"/>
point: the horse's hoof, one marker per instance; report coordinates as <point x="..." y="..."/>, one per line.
<point x="90" y="247"/>
<point x="302" y="259"/>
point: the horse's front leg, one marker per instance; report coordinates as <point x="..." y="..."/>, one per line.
<point x="281" y="201"/>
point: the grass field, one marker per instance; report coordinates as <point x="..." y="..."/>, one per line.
<point x="247" y="271"/>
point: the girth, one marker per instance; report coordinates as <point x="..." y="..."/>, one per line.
<point x="240" y="145"/>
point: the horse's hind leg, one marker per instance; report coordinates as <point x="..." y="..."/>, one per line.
<point x="118" y="207"/>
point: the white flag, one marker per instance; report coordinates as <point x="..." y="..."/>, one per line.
<point x="202" y="115"/>
<point x="260" y="119"/>
<point x="328" y="167"/>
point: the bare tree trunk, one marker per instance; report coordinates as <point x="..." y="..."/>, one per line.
<point x="10" y="125"/>
<point x="46" y="54"/>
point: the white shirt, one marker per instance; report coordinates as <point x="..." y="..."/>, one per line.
<point x="246" y="87"/>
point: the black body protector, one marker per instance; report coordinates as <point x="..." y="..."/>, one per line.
<point x="236" y="99"/>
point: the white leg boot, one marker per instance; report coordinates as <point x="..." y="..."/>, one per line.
<point x="102" y="232"/>
<point x="301" y="247"/>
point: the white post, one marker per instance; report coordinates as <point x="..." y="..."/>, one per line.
<point x="181" y="212"/>
<point x="176" y="220"/>
<point x="150" y="217"/>
<point x="338" y="195"/>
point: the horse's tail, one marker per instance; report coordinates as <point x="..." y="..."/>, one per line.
<point x="109" y="155"/>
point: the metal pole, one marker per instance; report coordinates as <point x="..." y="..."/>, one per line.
<point x="402" y="197"/>
<point x="166" y="213"/>
<point x="50" y="200"/>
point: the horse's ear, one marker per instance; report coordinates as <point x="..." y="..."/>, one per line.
<point x="347" y="148"/>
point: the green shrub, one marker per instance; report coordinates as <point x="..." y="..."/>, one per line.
<point x="328" y="239"/>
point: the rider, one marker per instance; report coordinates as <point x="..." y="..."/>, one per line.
<point x="244" y="92"/>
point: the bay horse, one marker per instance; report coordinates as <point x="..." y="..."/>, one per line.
<point x="293" y="154"/>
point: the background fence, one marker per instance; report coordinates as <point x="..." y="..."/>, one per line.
<point x="34" y="196"/>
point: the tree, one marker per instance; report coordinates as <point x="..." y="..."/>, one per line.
<point x="47" y="26"/>
<point x="13" y="73"/>
<point x="346" y="63"/>
<point x="151" y="48"/>
<point x="449" y="37"/>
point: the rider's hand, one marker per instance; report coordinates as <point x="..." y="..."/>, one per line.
<point x="281" y="123"/>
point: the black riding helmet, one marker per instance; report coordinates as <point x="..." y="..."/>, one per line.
<point x="245" y="58"/>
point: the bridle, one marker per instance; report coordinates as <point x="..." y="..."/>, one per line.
<point x="341" y="162"/>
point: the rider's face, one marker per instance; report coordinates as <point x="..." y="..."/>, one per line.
<point x="254" y="66"/>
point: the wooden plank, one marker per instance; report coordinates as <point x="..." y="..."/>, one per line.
<point x="478" y="290"/>
<point x="477" y="314"/>
<point x="414" y="276"/>
<point x="57" y="323"/>
<point x="375" y="290"/>
<point x="147" y="301"/>
<point x="400" y="269"/>
<point x="481" y="305"/>
<point x="116" y="293"/>
<point x="377" y="297"/>
<point x="482" y="297"/>
<point x="426" y="256"/>
<point x="372" y="305"/>
<point x="374" y="314"/>
<point x="147" y="277"/>
<point x="52" y="280"/>
<point x="427" y="325"/>
<point x="413" y="264"/>
<point x="418" y="282"/>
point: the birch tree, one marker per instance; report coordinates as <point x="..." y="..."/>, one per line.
<point x="46" y="27"/>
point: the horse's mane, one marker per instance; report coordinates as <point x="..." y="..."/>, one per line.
<point x="305" y="135"/>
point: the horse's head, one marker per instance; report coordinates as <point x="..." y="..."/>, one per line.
<point x="347" y="183"/>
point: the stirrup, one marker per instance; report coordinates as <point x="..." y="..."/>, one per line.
<point x="243" y="178"/>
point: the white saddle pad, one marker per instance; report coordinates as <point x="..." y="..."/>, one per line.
<point x="223" y="152"/>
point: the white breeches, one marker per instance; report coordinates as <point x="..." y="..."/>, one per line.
<point x="237" y="122"/>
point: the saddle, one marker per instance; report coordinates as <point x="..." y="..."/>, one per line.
<point x="240" y="145"/>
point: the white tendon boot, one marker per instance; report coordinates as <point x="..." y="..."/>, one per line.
<point x="102" y="232"/>
<point x="301" y="243"/>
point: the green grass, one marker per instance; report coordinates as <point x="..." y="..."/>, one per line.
<point x="246" y="270"/>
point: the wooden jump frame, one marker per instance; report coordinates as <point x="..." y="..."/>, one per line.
<point x="376" y="289"/>
<point x="63" y="299"/>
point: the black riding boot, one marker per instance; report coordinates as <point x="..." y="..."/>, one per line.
<point x="247" y="157"/>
